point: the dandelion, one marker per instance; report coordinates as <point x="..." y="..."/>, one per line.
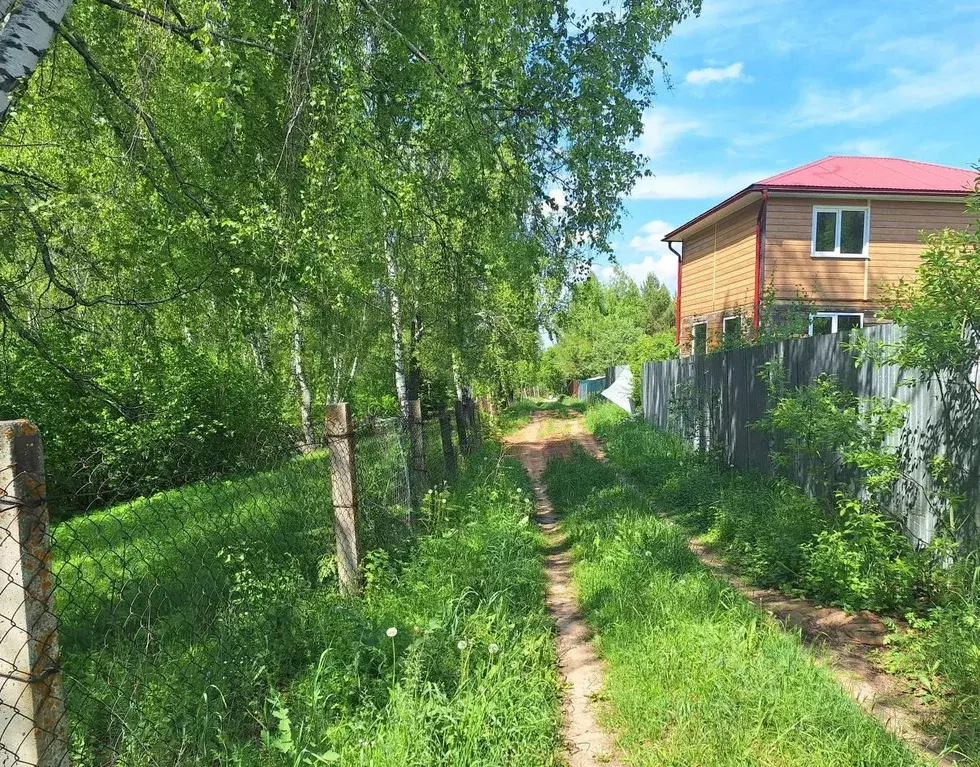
<point x="493" y="649"/>
<point x="461" y="644"/>
<point x="392" y="632"/>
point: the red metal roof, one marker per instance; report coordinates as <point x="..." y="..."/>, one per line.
<point x="849" y="175"/>
<point x="876" y="173"/>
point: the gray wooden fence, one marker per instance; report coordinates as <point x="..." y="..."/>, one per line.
<point x="728" y="395"/>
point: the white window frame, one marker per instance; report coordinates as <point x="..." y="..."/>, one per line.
<point x="834" y="316"/>
<point x="694" y="337"/>
<point x="724" y="322"/>
<point x="839" y="209"/>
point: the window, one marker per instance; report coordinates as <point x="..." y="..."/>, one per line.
<point x="824" y="323"/>
<point x="732" y="330"/>
<point x="699" y="338"/>
<point x="840" y="232"/>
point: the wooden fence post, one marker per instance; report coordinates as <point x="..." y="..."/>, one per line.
<point x="446" y="431"/>
<point x="32" y="707"/>
<point x="416" y="486"/>
<point x="459" y="410"/>
<point x="343" y="481"/>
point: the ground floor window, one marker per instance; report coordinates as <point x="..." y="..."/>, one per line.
<point x="699" y="338"/>
<point x="732" y="329"/>
<point x="824" y="323"/>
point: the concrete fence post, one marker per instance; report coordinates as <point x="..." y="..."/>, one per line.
<point x="459" y="411"/>
<point x="32" y="707"/>
<point x="417" y="440"/>
<point x="446" y="431"/>
<point x="339" y="428"/>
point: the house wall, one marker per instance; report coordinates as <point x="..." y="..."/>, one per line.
<point x="850" y="283"/>
<point x="718" y="276"/>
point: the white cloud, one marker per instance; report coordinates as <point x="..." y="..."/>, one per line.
<point x="869" y="147"/>
<point x="558" y="197"/>
<point x="954" y="78"/>
<point x="658" y="261"/>
<point x="661" y="128"/>
<point x="715" y="74"/>
<point x="650" y="237"/>
<point x="694" y="186"/>
<point x="665" y="268"/>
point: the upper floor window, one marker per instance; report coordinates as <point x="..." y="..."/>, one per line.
<point x="840" y="232"/>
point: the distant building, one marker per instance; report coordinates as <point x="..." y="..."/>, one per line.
<point x="836" y="229"/>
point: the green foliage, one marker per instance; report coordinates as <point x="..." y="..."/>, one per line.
<point x="659" y="305"/>
<point x="648" y="348"/>
<point x="604" y="325"/>
<point x="696" y="675"/>
<point x="863" y="563"/>
<point x="781" y="319"/>
<point x="855" y="558"/>
<point x="282" y="669"/>
<point x="220" y="218"/>
<point x="842" y="435"/>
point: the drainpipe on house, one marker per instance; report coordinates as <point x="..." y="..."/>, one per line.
<point x="677" y="303"/>
<point x="760" y="233"/>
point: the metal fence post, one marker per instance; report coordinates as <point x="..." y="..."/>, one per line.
<point x="343" y="481"/>
<point x="32" y="708"/>
<point x="459" y="411"/>
<point x="446" y="431"/>
<point x="473" y="414"/>
<point x="418" y="452"/>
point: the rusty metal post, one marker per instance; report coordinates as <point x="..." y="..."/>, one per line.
<point x="459" y="410"/>
<point x="417" y="441"/>
<point x="32" y="706"/>
<point x="343" y="481"/>
<point x="446" y="431"/>
<point x="476" y="430"/>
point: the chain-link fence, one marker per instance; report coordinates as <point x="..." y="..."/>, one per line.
<point x="178" y="613"/>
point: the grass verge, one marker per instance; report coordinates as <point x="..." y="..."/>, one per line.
<point x="696" y="675"/>
<point x="447" y="658"/>
<point x="776" y="536"/>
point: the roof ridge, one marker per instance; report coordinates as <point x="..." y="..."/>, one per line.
<point x="770" y="179"/>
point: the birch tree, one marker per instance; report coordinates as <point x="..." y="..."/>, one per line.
<point x="25" y="37"/>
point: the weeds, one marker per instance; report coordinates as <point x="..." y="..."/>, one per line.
<point x="447" y="659"/>
<point x="777" y="536"/>
<point x="695" y="674"/>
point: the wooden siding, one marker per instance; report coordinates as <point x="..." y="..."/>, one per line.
<point x="894" y="247"/>
<point x="719" y="265"/>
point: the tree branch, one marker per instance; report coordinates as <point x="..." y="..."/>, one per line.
<point x="186" y="31"/>
<point x="145" y="118"/>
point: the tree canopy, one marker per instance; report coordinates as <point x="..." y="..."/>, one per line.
<point x="221" y="216"/>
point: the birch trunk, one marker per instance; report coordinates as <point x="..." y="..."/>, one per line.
<point x="401" y="387"/>
<point x="305" y="397"/>
<point x="24" y="39"/>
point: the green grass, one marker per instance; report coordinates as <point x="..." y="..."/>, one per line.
<point x="696" y="675"/>
<point x="203" y="625"/>
<point x="769" y="531"/>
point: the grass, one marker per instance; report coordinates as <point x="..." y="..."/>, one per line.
<point x="696" y="675"/>
<point x="773" y="535"/>
<point x="203" y="625"/>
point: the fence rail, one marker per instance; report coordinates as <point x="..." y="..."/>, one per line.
<point x="133" y="616"/>
<point x="727" y="396"/>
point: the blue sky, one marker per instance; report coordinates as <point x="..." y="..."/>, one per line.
<point x="761" y="86"/>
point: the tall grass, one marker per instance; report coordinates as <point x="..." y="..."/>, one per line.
<point x="696" y="675"/>
<point x="777" y="536"/>
<point x="203" y="626"/>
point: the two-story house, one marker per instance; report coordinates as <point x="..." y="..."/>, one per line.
<point x="835" y="231"/>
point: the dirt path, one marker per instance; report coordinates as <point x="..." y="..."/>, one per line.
<point x="843" y="642"/>
<point x="588" y="744"/>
